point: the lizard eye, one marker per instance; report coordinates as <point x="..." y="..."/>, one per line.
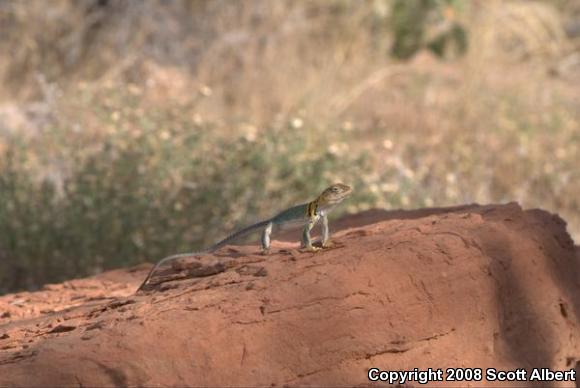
<point x="335" y="189"/>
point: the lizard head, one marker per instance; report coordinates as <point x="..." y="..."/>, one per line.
<point x="334" y="194"/>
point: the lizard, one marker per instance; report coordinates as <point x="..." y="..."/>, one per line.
<point x="307" y="215"/>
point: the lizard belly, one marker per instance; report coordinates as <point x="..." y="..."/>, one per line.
<point x="294" y="217"/>
<point x="292" y="224"/>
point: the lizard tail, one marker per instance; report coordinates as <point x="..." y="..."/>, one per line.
<point x="238" y="234"/>
<point x="213" y="248"/>
<point x="165" y="260"/>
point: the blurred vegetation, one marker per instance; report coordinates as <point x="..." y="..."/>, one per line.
<point x="153" y="182"/>
<point x="411" y="19"/>
<point x="134" y="130"/>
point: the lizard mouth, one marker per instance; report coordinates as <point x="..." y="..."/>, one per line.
<point x="337" y="198"/>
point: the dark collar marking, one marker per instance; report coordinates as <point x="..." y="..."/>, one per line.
<point x="312" y="209"/>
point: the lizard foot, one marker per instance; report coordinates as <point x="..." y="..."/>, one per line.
<point x="328" y="244"/>
<point x="310" y="248"/>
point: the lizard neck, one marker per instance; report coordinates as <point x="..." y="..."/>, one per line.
<point x="319" y="207"/>
<point x="324" y="207"/>
<point x="312" y="208"/>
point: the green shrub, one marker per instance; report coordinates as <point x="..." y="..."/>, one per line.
<point x="411" y="19"/>
<point x="137" y="193"/>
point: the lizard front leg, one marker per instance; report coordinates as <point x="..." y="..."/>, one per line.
<point x="266" y="238"/>
<point x="306" y="240"/>
<point x="326" y="243"/>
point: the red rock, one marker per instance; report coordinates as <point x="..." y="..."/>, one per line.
<point x="472" y="286"/>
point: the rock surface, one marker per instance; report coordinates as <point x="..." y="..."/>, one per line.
<point x="471" y="286"/>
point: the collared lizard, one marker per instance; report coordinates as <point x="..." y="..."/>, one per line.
<point x="307" y="214"/>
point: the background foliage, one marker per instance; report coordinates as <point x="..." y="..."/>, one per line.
<point x="132" y="130"/>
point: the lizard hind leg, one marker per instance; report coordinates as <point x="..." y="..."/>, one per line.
<point x="266" y="238"/>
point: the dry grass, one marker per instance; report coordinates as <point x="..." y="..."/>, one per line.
<point x="140" y="129"/>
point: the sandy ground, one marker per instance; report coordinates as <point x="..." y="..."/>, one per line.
<point x="471" y="287"/>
